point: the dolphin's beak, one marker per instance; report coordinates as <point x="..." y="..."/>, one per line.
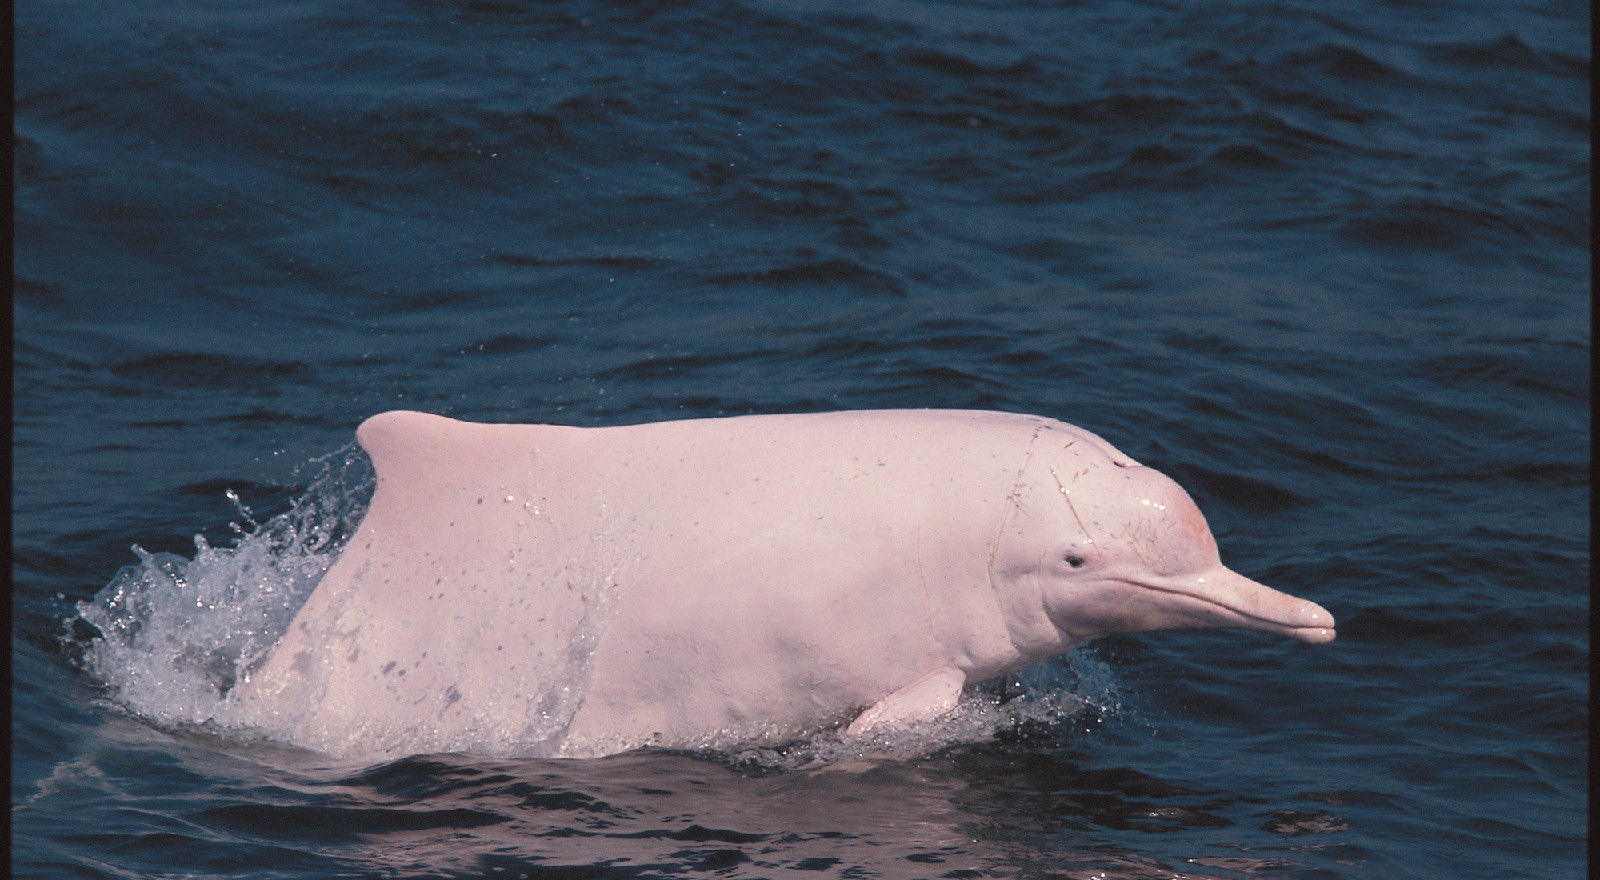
<point x="1233" y="600"/>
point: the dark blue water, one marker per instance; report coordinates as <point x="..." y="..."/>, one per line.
<point x="1323" y="264"/>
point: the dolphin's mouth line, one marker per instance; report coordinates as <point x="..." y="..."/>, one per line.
<point x="1278" y="624"/>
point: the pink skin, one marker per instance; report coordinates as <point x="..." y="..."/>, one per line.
<point x="544" y="590"/>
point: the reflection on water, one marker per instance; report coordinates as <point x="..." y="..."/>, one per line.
<point x="1023" y="806"/>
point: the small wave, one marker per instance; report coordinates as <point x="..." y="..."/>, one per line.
<point x="503" y="344"/>
<point x="1508" y="51"/>
<point x="1343" y="62"/>
<point x="654" y="367"/>
<point x="206" y="368"/>
<point x="1426" y="224"/>
<point x="1536" y="368"/>
<point x="818" y="272"/>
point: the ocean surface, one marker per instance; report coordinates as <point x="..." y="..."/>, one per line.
<point x="1324" y="264"/>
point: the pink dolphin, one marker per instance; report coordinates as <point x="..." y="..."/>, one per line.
<point x="557" y="591"/>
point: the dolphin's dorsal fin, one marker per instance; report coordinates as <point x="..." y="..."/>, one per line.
<point x="421" y="449"/>
<point x="400" y="438"/>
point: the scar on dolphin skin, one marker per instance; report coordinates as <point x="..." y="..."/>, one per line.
<point x="922" y="578"/>
<point x="1015" y="497"/>
<point x="1066" y="495"/>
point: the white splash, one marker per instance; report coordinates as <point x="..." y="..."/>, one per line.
<point x="175" y="634"/>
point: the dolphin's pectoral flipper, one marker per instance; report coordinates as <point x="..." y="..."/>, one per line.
<point x="924" y="699"/>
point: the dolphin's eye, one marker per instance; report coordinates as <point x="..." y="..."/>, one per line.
<point x="1075" y="560"/>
